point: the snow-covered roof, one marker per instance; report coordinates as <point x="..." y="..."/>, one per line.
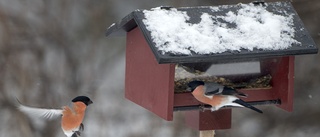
<point x="193" y="34"/>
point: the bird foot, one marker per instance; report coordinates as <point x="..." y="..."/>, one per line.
<point x="203" y="108"/>
<point x="81" y="127"/>
<point x="78" y="133"/>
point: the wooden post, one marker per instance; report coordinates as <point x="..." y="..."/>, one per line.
<point x="208" y="120"/>
<point x="207" y="133"/>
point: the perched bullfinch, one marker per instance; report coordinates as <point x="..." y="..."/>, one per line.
<point x="217" y="95"/>
<point x="71" y="121"/>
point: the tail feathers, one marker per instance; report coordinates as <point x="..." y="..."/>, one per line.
<point x="242" y="95"/>
<point x="74" y="135"/>
<point x="243" y="103"/>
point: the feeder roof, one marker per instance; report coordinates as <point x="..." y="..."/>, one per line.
<point x="205" y="34"/>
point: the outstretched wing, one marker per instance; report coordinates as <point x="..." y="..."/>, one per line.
<point x="40" y="112"/>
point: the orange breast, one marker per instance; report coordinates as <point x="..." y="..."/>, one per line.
<point x="198" y="93"/>
<point x="72" y="119"/>
<point x="216" y="100"/>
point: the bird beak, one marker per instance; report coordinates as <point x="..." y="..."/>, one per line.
<point x="90" y="102"/>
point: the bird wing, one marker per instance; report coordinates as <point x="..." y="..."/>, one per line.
<point x="218" y="89"/>
<point x="40" y="112"/>
<point x="213" y="89"/>
<point x="231" y="91"/>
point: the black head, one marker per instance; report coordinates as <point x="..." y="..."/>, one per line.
<point x="193" y="85"/>
<point x="83" y="99"/>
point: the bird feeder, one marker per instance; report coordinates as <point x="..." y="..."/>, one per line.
<point x="250" y="47"/>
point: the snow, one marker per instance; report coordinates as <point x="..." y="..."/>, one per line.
<point x="255" y="28"/>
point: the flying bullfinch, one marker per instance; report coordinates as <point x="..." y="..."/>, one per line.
<point x="217" y="95"/>
<point x="71" y="121"/>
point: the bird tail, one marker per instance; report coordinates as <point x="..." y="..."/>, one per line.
<point x="74" y="135"/>
<point x="243" y="103"/>
<point x="240" y="94"/>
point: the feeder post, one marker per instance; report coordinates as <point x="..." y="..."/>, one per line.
<point x="207" y="133"/>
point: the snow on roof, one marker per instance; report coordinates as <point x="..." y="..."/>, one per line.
<point x="255" y="28"/>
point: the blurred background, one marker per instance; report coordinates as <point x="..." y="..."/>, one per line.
<point x="52" y="51"/>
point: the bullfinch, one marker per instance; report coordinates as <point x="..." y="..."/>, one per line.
<point x="71" y="118"/>
<point x="217" y="95"/>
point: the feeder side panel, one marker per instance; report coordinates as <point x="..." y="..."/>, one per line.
<point x="148" y="83"/>
<point x="284" y="83"/>
<point x="281" y="77"/>
<point x="208" y="120"/>
<point x="290" y="84"/>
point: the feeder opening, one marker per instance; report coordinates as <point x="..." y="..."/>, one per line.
<point x="246" y="74"/>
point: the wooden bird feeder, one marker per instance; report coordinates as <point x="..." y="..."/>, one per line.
<point x="156" y="80"/>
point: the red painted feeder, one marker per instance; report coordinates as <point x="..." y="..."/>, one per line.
<point x="155" y="78"/>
